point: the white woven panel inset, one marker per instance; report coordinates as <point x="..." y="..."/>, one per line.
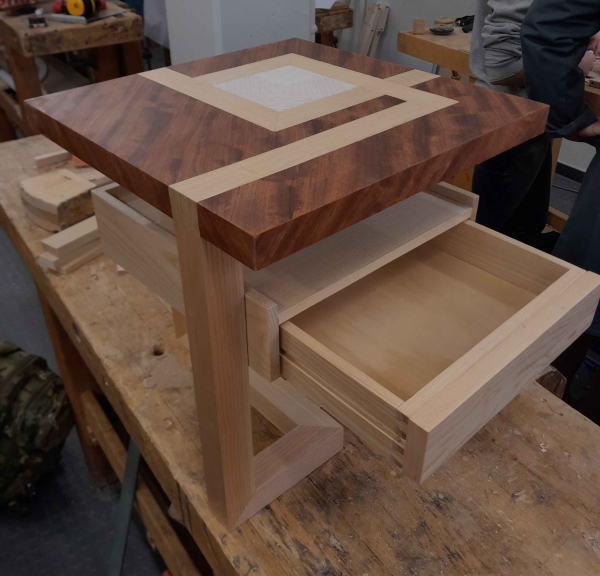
<point x="285" y="87"/>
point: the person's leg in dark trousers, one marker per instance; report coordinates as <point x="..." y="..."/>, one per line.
<point x="514" y="189"/>
<point x="579" y="244"/>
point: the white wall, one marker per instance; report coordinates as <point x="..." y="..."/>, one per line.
<point x="248" y="23"/>
<point x="401" y="16"/>
<point x="203" y="28"/>
<point x="191" y="32"/>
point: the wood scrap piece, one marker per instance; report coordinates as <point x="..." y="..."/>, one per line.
<point x="62" y="266"/>
<point x="68" y="256"/>
<point x="52" y="158"/>
<point x="47" y="260"/>
<point x="367" y="31"/>
<point x="72" y="238"/>
<point x="81" y="260"/>
<point x="419" y="26"/>
<point x="61" y="193"/>
<point x="42" y="219"/>
<point x="380" y="26"/>
<point x="444" y="21"/>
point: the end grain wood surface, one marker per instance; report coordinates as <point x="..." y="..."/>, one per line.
<point x="290" y="187"/>
<point x="520" y="498"/>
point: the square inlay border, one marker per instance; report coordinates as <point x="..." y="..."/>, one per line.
<point x="416" y="103"/>
<point x="204" y="88"/>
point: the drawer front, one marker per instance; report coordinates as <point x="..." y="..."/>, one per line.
<point x="445" y="414"/>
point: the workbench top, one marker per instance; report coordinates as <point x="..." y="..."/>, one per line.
<point x="16" y="34"/>
<point x="520" y="498"/>
<point x="285" y="144"/>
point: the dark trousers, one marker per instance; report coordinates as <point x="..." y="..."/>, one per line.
<point x="579" y="242"/>
<point x="514" y="190"/>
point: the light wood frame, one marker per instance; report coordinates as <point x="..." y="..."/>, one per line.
<point x="205" y="88"/>
<point x="238" y="483"/>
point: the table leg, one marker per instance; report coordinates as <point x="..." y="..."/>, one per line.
<point x="27" y="85"/>
<point x="131" y="58"/>
<point x="123" y="513"/>
<point x="77" y="379"/>
<point x="213" y="292"/>
<point x="238" y="483"/>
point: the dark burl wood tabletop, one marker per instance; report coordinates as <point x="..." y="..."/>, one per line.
<point x="268" y="183"/>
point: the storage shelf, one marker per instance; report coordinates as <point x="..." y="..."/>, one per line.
<point x="311" y="275"/>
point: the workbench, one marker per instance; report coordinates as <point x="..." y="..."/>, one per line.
<point x="115" y="43"/>
<point x="453" y="51"/>
<point x="519" y="498"/>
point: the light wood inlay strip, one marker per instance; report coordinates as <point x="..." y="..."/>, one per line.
<point x="412" y="77"/>
<point x="244" y="70"/>
<point x="360" y="79"/>
<point x="209" y="94"/>
<point x="324" y="106"/>
<point x="226" y="178"/>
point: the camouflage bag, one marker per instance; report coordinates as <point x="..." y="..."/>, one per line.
<point x="35" y="419"/>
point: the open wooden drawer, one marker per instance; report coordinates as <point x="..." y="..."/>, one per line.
<point x="413" y="328"/>
<point x="419" y="355"/>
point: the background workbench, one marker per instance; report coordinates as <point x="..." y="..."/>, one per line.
<point x="115" y="42"/>
<point x="520" y="498"/>
<point x="453" y="51"/>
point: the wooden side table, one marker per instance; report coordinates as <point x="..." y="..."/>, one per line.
<point x="266" y="159"/>
<point x="115" y="41"/>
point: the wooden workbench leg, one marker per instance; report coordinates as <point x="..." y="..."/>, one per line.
<point x="7" y="130"/>
<point x="131" y="58"/>
<point x="77" y="379"/>
<point x="25" y="75"/>
<point x="213" y="293"/>
<point x="106" y="63"/>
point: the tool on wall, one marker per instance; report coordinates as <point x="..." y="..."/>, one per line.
<point x="373" y="27"/>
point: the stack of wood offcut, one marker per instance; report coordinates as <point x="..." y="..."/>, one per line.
<point x="61" y="196"/>
<point x="58" y="199"/>
<point x="68" y="250"/>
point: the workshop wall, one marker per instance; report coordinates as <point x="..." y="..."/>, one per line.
<point x="203" y="28"/>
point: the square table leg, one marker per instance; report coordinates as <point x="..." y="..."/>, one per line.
<point x="238" y="483"/>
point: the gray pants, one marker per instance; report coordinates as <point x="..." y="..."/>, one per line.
<point x="579" y="242"/>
